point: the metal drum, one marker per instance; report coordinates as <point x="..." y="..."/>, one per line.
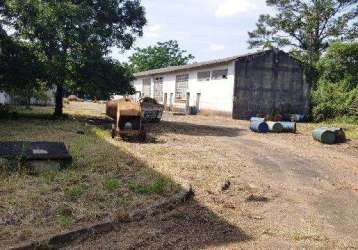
<point x="275" y="127"/>
<point x="324" y="135"/>
<point x="259" y="126"/>
<point x="289" y="127"/>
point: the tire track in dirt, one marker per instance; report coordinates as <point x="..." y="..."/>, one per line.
<point x="326" y="185"/>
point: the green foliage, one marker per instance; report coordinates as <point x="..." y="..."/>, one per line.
<point x="158" y="186"/>
<point x="161" y="55"/>
<point x="101" y="77"/>
<point x="306" y="26"/>
<point x="111" y="184"/>
<point x="336" y="94"/>
<point x="64" y="220"/>
<point x="68" y="35"/>
<point x="74" y="192"/>
<point x="20" y="69"/>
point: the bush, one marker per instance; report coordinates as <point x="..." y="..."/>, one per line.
<point x="336" y="94"/>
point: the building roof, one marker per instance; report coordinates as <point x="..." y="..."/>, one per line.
<point x="195" y="65"/>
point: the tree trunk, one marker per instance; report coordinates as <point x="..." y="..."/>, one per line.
<point x="59" y="101"/>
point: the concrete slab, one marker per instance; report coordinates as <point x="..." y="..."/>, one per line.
<point x="30" y="151"/>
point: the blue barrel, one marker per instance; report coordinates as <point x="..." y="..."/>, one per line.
<point x="289" y="127"/>
<point x="275" y="127"/>
<point x="324" y="135"/>
<point x="193" y="110"/>
<point x="259" y="126"/>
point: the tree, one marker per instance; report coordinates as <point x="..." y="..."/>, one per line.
<point x="307" y="26"/>
<point x="20" y="69"/>
<point x="161" y="55"/>
<point x="112" y="76"/>
<point x="65" y="32"/>
<point x="337" y="90"/>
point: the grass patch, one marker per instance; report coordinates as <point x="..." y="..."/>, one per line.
<point x="158" y="186"/>
<point x="111" y="184"/>
<point x="92" y="186"/>
<point x="64" y="220"/>
<point x="74" y="192"/>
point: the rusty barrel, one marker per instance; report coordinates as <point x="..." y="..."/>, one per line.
<point x="127" y="107"/>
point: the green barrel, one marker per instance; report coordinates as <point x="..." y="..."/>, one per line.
<point x="275" y="127"/>
<point x="340" y="135"/>
<point x="324" y="135"/>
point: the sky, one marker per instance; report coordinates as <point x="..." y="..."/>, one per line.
<point x="208" y="29"/>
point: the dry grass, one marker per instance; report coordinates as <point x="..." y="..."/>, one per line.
<point x="351" y="129"/>
<point x="291" y="170"/>
<point x="103" y="179"/>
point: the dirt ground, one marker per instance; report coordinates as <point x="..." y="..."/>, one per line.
<point x="286" y="190"/>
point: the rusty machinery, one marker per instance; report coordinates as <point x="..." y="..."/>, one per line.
<point x="127" y="116"/>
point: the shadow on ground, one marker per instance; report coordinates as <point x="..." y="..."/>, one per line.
<point x="183" y="128"/>
<point x="190" y="226"/>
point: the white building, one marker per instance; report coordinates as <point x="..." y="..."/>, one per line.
<point x="4" y="98"/>
<point x="265" y="82"/>
<point x="209" y="84"/>
<point x="48" y="99"/>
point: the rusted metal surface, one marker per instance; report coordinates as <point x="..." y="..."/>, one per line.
<point x="127" y="107"/>
<point x="152" y="110"/>
<point x="127" y="116"/>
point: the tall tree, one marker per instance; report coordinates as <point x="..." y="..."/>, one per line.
<point x="112" y="76"/>
<point x="306" y="26"/>
<point x="65" y="32"/>
<point x="161" y="55"/>
<point x="20" y="69"/>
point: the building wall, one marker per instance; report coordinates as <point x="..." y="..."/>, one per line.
<point x="269" y="83"/>
<point x="214" y="94"/>
<point x="50" y="101"/>
<point x="4" y="98"/>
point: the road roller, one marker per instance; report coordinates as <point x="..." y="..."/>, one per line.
<point x="127" y="117"/>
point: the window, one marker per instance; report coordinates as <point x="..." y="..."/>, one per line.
<point x="147" y="87"/>
<point x="204" y="76"/>
<point x="219" y="74"/>
<point x="181" y="86"/>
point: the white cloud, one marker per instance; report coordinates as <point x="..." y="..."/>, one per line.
<point x="232" y="7"/>
<point x="216" y="47"/>
<point x="153" y="30"/>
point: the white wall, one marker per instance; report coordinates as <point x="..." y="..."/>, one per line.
<point x="4" y="98"/>
<point x="215" y="94"/>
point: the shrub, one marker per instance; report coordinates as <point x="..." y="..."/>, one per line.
<point x="336" y="94"/>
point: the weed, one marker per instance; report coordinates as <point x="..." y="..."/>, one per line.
<point x="64" y="220"/>
<point x="100" y="133"/>
<point x="111" y="184"/>
<point x="49" y="176"/>
<point x="74" y="192"/>
<point x="156" y="187"/>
